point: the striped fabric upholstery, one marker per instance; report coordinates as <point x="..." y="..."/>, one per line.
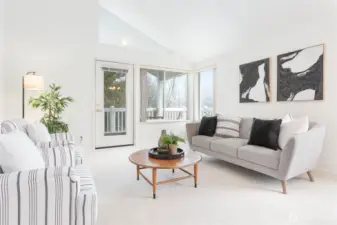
<point x="39" y="197"/>
<point x="59" y="156"/>
<point x="63" y="137"/>
<point x="87" y="199"/>
<point x="61" y="153"/>
<point x="228" y="126"/>
<point x="86" y="181"/>
<point x="62" y="194"/>
<point x="87" y="208"/>
<point x="78" y="155"/>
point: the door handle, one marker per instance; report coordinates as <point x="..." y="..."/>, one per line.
<point x="99" y="110"/>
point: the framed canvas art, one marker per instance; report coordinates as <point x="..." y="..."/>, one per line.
<point x="300" y="75"/>
<point x="254" y="81"/>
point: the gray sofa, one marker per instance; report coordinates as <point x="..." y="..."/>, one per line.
<point x="299" y="156"/>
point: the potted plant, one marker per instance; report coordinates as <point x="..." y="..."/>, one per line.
<point x="171" y="142"/>
<point x="52" y="103"/>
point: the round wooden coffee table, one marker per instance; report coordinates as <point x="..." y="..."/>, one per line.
<point x="142" y="160"/>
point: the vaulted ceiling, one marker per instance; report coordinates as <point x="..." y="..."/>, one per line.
<point x="199" y="29"/>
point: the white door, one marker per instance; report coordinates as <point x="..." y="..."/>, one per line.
<point x="114" y="104"/>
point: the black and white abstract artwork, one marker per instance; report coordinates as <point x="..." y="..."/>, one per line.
<point x="300" y="74"/>
<point x="254" y="81"/>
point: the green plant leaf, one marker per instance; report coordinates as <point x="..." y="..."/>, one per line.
<point x="52" y="103"/>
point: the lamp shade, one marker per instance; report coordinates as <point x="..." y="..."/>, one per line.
<point x="33" y="82"/>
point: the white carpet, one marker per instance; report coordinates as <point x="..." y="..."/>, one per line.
<point x="226" y="194"/>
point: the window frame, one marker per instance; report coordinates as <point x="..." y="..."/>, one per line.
<point x="190" y="88"/>
<point x="199" y="116"/>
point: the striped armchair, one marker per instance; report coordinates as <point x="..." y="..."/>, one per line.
<point x="62" y="194"/>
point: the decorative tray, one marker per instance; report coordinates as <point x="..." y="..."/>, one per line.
<point x="165" y="155"/>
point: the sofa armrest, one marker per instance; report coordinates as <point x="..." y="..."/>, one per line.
<point x="302" y="152"/>
<point x="192" y="129"/>
<point x="28" y="195"/>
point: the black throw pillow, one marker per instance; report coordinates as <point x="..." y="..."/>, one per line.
<point x="208" y="126"/>
<point x="265" y="133"/>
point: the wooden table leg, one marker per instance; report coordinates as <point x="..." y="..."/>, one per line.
<point x="196" y="175"/>
<point x="138" y="170"/>
<point x="154" y="182"/>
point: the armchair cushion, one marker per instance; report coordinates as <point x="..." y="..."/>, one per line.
<point x="18" y="153"/>
<point x="38" y="132"/>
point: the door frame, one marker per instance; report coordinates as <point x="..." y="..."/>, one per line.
<point x="94" y="105"/>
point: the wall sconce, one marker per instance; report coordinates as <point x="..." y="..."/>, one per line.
<point x="31" y="82"/>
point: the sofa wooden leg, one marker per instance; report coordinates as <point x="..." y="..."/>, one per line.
<point x="310" y="176"/>
<point x="284" y="186"/>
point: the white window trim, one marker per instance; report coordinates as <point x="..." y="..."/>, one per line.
<point x="190" y="75"/>
<point x="197" y="110"/>
<point x="194" y="105"/>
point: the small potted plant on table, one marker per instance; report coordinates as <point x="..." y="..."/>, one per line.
<point x="171" y="142"/>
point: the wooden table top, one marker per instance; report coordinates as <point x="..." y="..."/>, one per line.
<point x="141" y="158"/>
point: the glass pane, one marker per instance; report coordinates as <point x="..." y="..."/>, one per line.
<point x="175" y="96"/>
<point x="114" y="101"/>
<point x="206" y="93"/>
<point x="155" y="93"/>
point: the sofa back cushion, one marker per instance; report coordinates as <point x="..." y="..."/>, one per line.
<point x="245" y="127"/>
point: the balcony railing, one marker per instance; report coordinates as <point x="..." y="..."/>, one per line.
<point x="167" y="114"/>
<point x="206" y="112"/>
<point x="115" y="118"/>
<point x="114" y="122"/>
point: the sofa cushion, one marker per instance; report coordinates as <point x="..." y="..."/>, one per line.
<point x="245" y="127"/>
<point x="260" y="155"/>
<point x="228" y="146"/>
<point x="203" y="141"/>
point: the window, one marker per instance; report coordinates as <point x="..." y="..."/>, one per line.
<point x="164" y="95"/>
<point x="206" y="99"/>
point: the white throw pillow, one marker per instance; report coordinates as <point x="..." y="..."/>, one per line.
<point x="291" y="128"/>
<point x="38" y="132"/>
<point x="18" y="153"/>
<point x="287" y="118"/>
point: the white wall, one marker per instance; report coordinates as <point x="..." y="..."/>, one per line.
<point x="146" y="134"/>
<point x="227" y="81"/>
<point x="57" y="39"/>
<point x="2" y="17"/>
<point x="112" y="30"/>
